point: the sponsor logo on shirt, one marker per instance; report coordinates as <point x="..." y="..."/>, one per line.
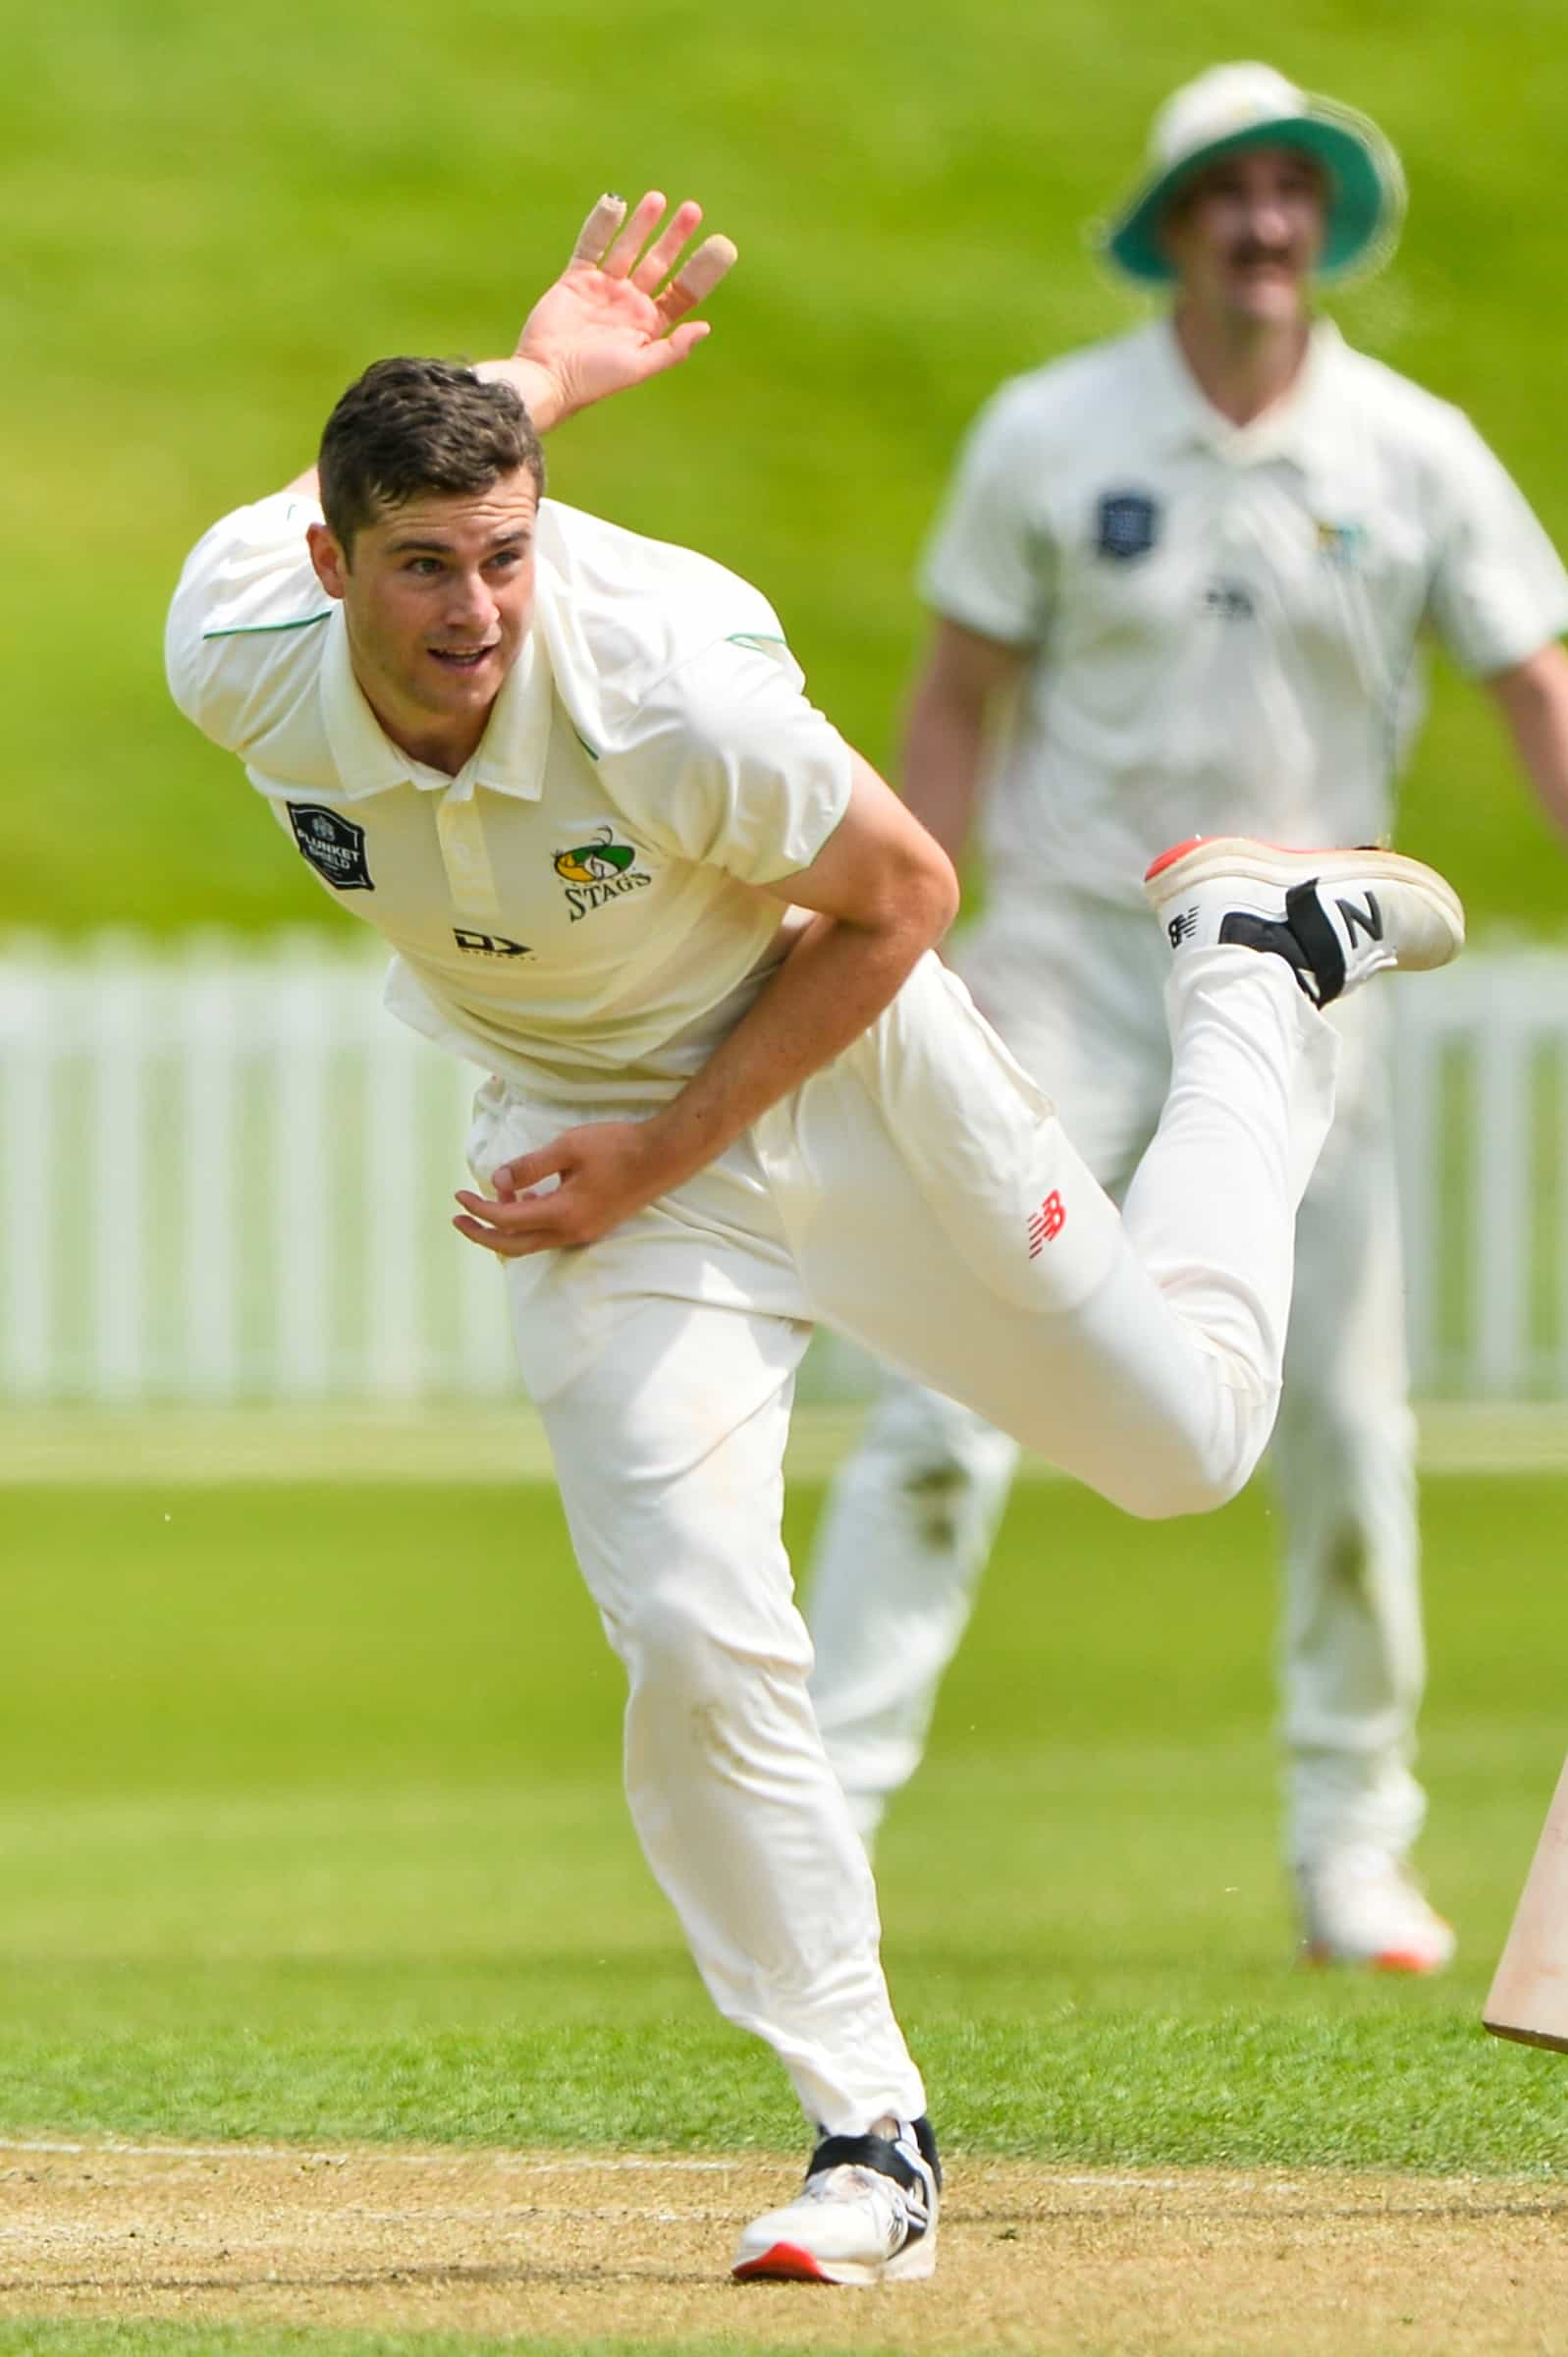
<point x="488" y="945"/>
<point x="597" y="872"/>
<point x="1046" y="1224"/>
<point x="1127" y="524"/>
<point x="1228" y="601"/>
<point x="335" y="846"/>
<point x="1340" y="544"/>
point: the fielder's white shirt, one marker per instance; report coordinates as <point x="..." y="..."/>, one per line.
<point x="577" y="910"/>
<point x="1224" y="619"/>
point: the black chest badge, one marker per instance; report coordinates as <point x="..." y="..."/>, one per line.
<point x="335" y="846"/>
<point x="1127" y="524"/>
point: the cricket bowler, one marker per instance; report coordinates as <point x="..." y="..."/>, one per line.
<point x="688" y="936"/>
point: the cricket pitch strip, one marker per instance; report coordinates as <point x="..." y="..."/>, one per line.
<point x="568" y="2247"/>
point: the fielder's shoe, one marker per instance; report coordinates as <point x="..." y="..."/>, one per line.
<point x="1359" y="1905"/>
<point x="868" y="2213"/>
<point x="1335" y="917"/>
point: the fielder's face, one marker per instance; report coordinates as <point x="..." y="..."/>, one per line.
<point x="1245" y="236"/>
<point x="438" y="596"/>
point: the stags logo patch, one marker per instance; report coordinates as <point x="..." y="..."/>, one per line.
<point x="335" y="846"/>
<point x="1341" y="544"/>
<point x="599" y="871"/>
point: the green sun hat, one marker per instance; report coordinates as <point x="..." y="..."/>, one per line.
<point x="1236" y="107"/>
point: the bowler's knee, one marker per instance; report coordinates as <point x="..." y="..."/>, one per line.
<point x="1184" y="1490"/>
<point x="674" y="1642"/>
<point x="1194" y="1472"/>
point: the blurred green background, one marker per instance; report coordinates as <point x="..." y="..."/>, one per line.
<point x="215" y="218"/>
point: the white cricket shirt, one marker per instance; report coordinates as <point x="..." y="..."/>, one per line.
<point x="577" y="910"/>
<point x="1224" y="619"/>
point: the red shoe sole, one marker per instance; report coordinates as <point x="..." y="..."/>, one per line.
<point x="782" y="2263"/>
<point x="1389" y="1959"/>
<point x="1178" y="850"/>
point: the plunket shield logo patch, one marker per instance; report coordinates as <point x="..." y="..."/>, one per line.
<point x="1127" y="524"/>
<point x="334" y="846"/>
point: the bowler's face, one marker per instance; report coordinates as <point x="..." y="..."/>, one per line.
<point x="1246" y="234"/>
<point x="438" y="597"/>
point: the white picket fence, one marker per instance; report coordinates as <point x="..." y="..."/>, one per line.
<point x="225" y="1176"/>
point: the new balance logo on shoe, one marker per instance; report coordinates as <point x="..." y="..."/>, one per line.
<point x="1182" y="926"/>
<point x="1368" y="920"/>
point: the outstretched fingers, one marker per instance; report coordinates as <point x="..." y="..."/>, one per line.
<point x="697" y="277"/>
<point x="598" y="232"/>
<point x="665" y="251"/>
<point x="620" y="257"/>
<point x="612" y="238"/>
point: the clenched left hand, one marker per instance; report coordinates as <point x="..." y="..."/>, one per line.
<point x="607" y="1171"/>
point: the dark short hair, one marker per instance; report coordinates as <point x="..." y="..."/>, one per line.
<point x="407" y="427"/>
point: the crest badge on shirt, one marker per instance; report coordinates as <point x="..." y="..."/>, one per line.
<point x="1341" y="544"/>
<point x="1127" y="524"/>
<point x="598" y="871"/>
<point x="335" y="846"/>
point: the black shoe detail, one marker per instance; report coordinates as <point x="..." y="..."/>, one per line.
<point x="1271" y="934"/>
<point x="926" y="2139"/>
<point x="1305" y="917"/>
<point x="881" y="2154"/>
<point x="1368" y="920"/>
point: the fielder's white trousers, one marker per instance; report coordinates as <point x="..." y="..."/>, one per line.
<point x="911" y="1518"/>
<point x="921" y="1194"/>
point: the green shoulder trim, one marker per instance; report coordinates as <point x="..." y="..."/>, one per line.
<point x="756" y="638"/>
<point x="259" y="630"/>
<point x="583" y="741"/>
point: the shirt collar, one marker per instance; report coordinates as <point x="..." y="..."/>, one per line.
<point x="1296" y="427"/>
<point x="510" y="757"/>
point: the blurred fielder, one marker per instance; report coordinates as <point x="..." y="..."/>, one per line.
<point x="630" y="871"/>
<point x="1178" y="585"/>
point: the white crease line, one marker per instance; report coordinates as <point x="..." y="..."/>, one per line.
<point x="455" y="2158"/>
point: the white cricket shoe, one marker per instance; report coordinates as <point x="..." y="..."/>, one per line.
<point x="1337" y="917"/>
<point x="1361" y="1905"/>
<point x="867" y="2214"/>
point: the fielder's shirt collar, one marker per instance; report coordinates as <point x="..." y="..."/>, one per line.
<point x="1300" y="427"/>
<point x="510" y="757"/>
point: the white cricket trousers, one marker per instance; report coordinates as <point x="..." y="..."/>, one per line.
<point x="920" y="1194"/>
<point x="911" y="1518"/>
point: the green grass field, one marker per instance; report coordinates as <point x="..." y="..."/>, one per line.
<point x="314" y="1834"/>
<point x="216" y="219"/>
<point x="315" y="1831"/>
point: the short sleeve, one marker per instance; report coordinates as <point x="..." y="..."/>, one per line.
<point x="990" y="563"/>
<point x="732" y="766"/>
<point x="1499" y="591"/>
<point x="245" y="637"/>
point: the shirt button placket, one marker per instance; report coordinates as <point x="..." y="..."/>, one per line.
<point x="466" y="856"/>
